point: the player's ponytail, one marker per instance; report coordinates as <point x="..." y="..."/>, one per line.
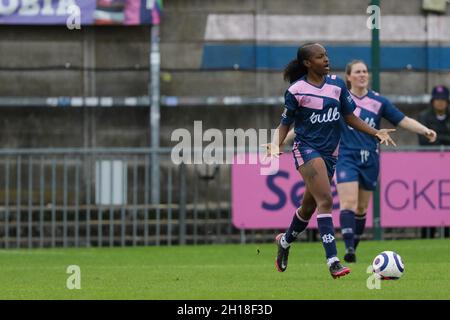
<point x="296" y="68"/>
<point x="294" y="71"/>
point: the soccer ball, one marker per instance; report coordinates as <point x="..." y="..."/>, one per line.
<point x="388" y="265"/>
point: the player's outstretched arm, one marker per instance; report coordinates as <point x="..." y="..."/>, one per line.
<point x="273" y="148"/>
<point x="416" y="127"/>
<point x="382" y="135"/>
<point x="290" y="137"/>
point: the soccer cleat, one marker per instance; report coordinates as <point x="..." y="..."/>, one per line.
<point x="337" y="270"/>
<point x="350" y="256"/>
<point x="282" y="255"/>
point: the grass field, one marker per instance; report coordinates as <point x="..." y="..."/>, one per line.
<point x="221" y="272"/>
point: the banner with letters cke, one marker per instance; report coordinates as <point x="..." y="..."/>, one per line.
<point x="88" y="12"/>
<point x="414" y="191"/>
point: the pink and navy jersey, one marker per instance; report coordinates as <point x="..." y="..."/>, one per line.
<point x="370" y="108"/>
<point x="316" y="113"/>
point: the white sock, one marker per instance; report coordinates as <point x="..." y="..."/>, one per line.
<point x="331" y="260"/>
<point x="284" y="243"/>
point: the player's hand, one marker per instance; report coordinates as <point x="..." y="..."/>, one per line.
<point x="384" y="137"/>
<point x="272" y="150"/>
<point x="431" y="135"/>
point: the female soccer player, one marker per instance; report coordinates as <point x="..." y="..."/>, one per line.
<point x="315" y="103"/>
<point x="358" y="162"/>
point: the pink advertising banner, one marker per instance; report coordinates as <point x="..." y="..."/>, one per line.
<point x="269" y="201"/>
<point x="415" y="189"/>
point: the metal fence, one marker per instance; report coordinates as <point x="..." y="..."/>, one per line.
<point x="101" y="197"/>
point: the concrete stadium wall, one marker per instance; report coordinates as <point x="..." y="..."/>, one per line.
<point x="185" y="37"/>
<point x="55" y="61"/>
<point x="73" y="127"/>
<point x="121" y="53"/>
<point x="125" y="127"/>
<point x="254" y="117"/>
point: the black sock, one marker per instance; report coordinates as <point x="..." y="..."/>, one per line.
<point x="298" y="225"/>
<point x="326" y="229"/>
<point x="360" y="224"/>
<point x="347" y="219"/>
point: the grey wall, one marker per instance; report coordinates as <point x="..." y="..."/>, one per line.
<point x="34" y="61"/>
<point x="73" y="127"/>
<point x="114" y="60"/>
<point x="120" y="54"/>
<point x="183" y="37"/>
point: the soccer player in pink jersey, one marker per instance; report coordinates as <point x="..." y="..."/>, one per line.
<point x="358" y="162"/>
<point x="315" y="103"/>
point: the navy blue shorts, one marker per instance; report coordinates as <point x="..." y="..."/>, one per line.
<point x="361" y="166"/>
<point x="303" y="154"/>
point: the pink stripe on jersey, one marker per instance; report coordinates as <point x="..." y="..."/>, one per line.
<point x="357" y="111"/>
<point x="310" y="102"/>
<point x="297" y="154"/>
<point x="368" y="104"/>
<point x="329" y="91"/>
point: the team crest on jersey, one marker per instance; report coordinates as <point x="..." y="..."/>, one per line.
<point x="349" y="99"/>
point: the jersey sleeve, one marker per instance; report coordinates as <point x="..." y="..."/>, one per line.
<point x="290" y="108"/>
<point x="347" y="103"/>
<point x="392" y="113"/>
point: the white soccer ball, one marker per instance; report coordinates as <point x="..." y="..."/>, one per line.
<point x="388" y="265"/>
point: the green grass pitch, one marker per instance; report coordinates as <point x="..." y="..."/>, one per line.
<point x="221" y="272"/>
